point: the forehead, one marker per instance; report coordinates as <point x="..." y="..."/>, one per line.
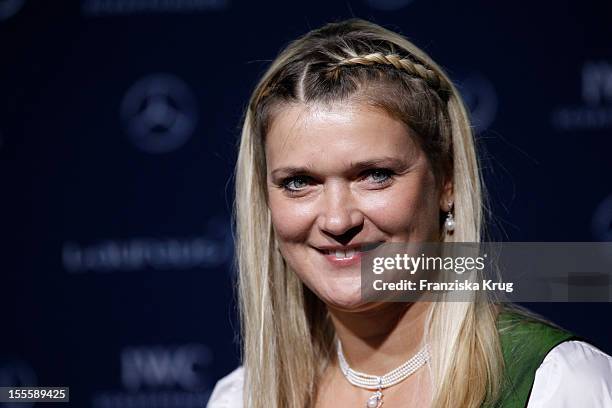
<point x="336" y="131"/>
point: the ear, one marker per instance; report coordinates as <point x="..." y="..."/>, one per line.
<point x="446" y="194"/>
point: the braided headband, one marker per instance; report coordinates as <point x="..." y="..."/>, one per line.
<point x="435" y="81"/>
<point x="413" y="68"/>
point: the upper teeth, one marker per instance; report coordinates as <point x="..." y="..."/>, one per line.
<point x="349" y="253"/>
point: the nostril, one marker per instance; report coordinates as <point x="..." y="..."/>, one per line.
<point x="346" y="236"/>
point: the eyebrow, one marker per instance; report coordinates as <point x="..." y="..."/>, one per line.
<point x="354" y="166"/>
<point x="378" y="162"/>
<point x="290" y="171"/>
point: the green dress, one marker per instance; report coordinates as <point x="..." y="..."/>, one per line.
<point x="525" y="343"/>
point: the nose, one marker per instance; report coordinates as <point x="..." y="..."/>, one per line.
<point x="340" y="217"/>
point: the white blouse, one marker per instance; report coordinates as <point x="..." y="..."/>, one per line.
<point x="573" y="374"/>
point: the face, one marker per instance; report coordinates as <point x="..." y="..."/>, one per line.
<point x="340" y="177"/>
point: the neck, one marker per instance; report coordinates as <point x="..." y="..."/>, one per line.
<point x="380" y="339"/>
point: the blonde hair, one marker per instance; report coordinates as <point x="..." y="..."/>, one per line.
<point x="286" y="334"/>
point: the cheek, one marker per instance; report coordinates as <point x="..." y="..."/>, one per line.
<point x="411" y="207"/>
<point x="291" y="220"/>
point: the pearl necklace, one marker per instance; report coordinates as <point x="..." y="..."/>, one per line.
<point x="378" y="383"/>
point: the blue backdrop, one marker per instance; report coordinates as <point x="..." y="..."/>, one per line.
<point x="118" y="121"/>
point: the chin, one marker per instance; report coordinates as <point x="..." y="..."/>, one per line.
<point x="344" y="300"/>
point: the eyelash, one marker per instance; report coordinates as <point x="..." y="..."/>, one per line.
<point x="389" y="173"/>
<point x="285" y="182"/>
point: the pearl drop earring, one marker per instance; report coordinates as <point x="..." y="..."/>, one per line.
<point x="449" y="223"/>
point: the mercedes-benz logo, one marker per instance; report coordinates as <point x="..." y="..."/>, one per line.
<point x="481" y="99"/>
<point x="159" y="113"/>
<point x="8" y="8"/>
<point x="17" y="373"/>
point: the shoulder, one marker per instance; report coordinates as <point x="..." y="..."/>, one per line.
<point x="228" y="391"/>
<point x="573" y="374"/>
<point x="526" y="341"/>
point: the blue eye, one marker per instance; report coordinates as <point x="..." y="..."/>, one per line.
<point x="295" y="183"/>
<point x="380" y="176"/>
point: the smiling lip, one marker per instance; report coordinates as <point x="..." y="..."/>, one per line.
<point x="348" y="255"/>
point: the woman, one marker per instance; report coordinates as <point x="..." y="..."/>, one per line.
<point x="354" y="136"/>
